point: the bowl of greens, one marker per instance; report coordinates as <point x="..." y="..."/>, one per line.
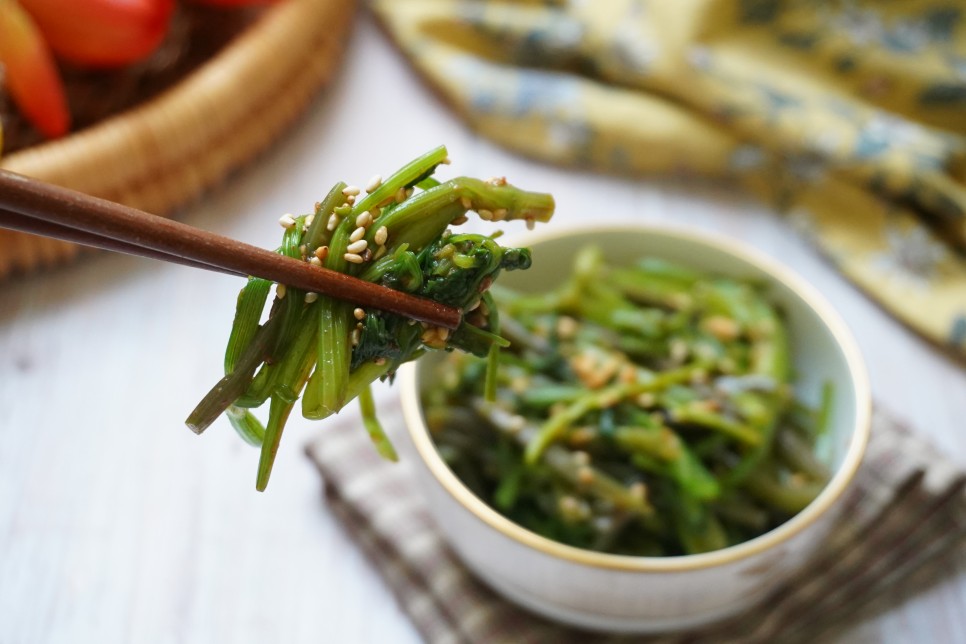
<point x="666" y="437"/>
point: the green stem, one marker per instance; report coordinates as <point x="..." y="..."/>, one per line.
<point x="367" y="406"/>
<point x="248" y="312"/>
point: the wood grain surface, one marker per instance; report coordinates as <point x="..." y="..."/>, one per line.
<point x="117" y="524"/>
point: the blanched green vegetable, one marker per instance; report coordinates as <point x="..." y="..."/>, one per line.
<point x="396" y="234"/>
<point x="642" y="410"/>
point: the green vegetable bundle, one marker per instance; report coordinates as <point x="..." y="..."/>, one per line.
<point x="396" y="234"/>
<point x="643" y="410"/>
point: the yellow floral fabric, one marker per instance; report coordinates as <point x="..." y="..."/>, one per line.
<point x="848" y="116"/>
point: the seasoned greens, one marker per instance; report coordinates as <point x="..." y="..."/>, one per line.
<point x="396" y="234"/>
<point x="643" y="410"/>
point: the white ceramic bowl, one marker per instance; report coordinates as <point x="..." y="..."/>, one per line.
<point x="647" y="594"/>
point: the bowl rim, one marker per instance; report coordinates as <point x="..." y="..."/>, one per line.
<point x="843" y="476"/>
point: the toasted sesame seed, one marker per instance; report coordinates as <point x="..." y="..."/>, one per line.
<point x="400" y="195"/>
<point x="721" y="327"/>
<point x="382" y="234"/>
<point x="637" y="490"/>
<point x="499" y="214"/>
<point x="459" y="221"/>
<point x="375" y="212"/>
<point x="286" y="221"/>
<point x="359" y="313"/>
<point x="333" y="222"/>
<point x="585" y="475"/>
<point x="566" y="327"/>
<point x="315" y="261"/>
<point x="364" y="220"/>
<point x="679" y="350"/>
<point x="350" y="200"/>
<point x="496" y="181"/>
<point x="356" y="336"/>
<point x="442" y="333"/>
<point x="311" y="297"/>
<point x="569" y="506"/>
<point x="409" y="192"/>
<point x="303" y="250"/>
<point x="374" y="183"/>
<point x="351" y="190"/>
<point x="582" y="436"/>
<point x="353" y="258"/>
<point x="357" y="234"/>
<point x="466" y="203"/>
<point x="280" y="291"/>
<point x="357" y="246"/>
<point x="645" y="399"/>
<point x="445" y="161"/>
<point x="322" y="252"/>
<point x="485" y="215"/>
<point x="603" y="524"/>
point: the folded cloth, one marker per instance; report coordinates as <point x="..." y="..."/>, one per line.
<point x="849" y="116"/>
<point x="904" y="529"/>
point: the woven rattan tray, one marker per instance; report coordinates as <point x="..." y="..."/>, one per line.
<point x="167" y="151"/>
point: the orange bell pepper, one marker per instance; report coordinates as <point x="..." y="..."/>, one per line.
<point x="102" y="33"/>
<point x="30" y="73"/>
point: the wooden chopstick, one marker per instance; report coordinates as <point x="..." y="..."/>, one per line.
<point x="33" y="206"/>
<point x="22" y="223"/>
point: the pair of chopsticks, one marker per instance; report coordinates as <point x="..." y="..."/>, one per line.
<point x="32" y="206"/>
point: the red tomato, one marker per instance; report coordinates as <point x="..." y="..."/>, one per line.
<point x="102" y="33"/>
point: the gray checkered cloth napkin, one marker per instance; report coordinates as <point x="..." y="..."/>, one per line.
<point x="904" y="529"/>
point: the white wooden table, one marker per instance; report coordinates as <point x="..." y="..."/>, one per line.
<point x="117" y="524"/>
